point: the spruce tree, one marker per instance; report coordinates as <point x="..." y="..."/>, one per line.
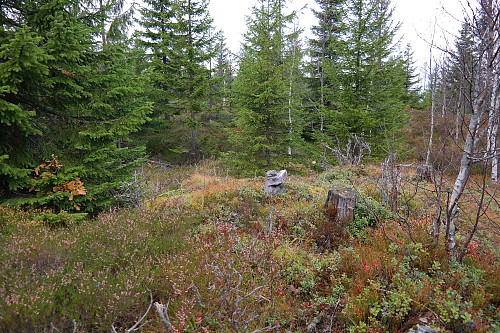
<point x="261" y="94"/>
<point x="23" y="65"/>
<point x="322" y="49"/>
<point x="297" y="91"/>
<point x="370" y="96"/>
<point x="178" y="32"/>
<point x="223" y="74"/>
<point x="86" y="100"/>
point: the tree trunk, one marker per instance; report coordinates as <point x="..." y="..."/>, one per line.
<point x="493" y="129"/>
<point x="443" y="85"/>
<point x="431" y="137"/>
<point x="344" y="200"/>
<point x="290" y="98"/>
<point x="426" y="172"/>
<point x="193" y="149"/>
<point x="471" y="142"/>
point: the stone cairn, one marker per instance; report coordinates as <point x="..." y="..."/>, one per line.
<point x="275" y="182"/>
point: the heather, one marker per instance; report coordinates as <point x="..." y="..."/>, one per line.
<point x="221" y="255"/>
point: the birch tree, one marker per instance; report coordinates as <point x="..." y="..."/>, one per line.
<point x="293" y="58"/>
<point x="488" y="46"/>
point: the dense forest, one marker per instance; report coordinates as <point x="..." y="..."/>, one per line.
<point x="87" y="100"/>
<point x="107" y="106"/>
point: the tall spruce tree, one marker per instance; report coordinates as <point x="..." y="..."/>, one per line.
<point x="297" y="91"/>
<point x="371" y="92"/>
<point x="261" y="94"/>
<point x="223" y="74"/>
<point x="179" y="35"/>
<point x="323" y="54"/>
<point x="194" y="48"/>
<point x="84" y="100"/>
<point x="23" y="65"/>
<point x="156" y="41"/>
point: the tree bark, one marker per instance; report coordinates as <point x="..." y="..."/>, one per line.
<point x="473" y="132"/>
<point x="493" y="120"/>
<point x="433" y="88"/>
<point x="344" y="200"/>
<point x="426" y="172"/>
<point x="290" y="97"/>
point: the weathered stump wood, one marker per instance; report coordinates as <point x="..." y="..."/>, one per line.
<point x="426" y="172"/>
<point x="344" y="200"/>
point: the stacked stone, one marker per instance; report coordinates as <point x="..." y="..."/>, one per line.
<point x="275" y="182"/>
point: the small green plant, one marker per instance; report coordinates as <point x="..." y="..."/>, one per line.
<point x="61" y="219"/>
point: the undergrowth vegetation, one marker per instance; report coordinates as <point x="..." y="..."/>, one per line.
<point x="220" y="255"/>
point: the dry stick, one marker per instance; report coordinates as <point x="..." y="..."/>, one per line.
<point x="268" y="328"/>
<point x="270" y="221"/>
<point x="256" y="239"/>
<point x="200" y="300"/>
<point x="203" y="193"/>
<point x="478" y="215"/>
<point x="54" y="328"/>
<point x="238" y="301"/>
<point x="408" y="225"/>
<point x="162" y="312"/>
<point x="296" y="254"/>
<point x="136" y="326"/>
<point x="182" y="193"/>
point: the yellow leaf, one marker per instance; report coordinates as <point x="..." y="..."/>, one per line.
<point x="76" y="206"/>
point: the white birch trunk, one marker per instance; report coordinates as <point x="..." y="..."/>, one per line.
<point x="290" y="97"/>
<point x="494" y="162"/>
<point x="290" y="131"/>
<point x="470" y="142"/>
<point x="431" y="137"/>
<point x="443" y="111"/>
<point x="433" y="88"/>
<point x="459" y="110"/>
<point x="494" y="135"/>
<point x="322" y="78"/>
<point x="491" y="150"/>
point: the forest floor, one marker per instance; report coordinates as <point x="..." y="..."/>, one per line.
<point x="206" y="252"/>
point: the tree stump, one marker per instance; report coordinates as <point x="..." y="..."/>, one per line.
<point x="426" y="172"/>
<point x="344" y="199"/>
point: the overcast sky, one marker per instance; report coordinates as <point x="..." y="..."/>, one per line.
<point x="418" y="18"/>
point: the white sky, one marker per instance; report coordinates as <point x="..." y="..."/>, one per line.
<point x="418" y="18"/>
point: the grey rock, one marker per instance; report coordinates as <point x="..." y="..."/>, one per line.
<point x="279" y="189"/>
<point x="274" y="182"/>
<point x="422" y="329"/>
<point x="275" y="178"/>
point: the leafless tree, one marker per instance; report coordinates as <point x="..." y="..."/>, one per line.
<point x="483" y="22"/>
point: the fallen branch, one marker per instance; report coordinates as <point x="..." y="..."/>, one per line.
<point x="162" y="312"/>
<point x="267" y="328"/>
<point x="136" y="326"/>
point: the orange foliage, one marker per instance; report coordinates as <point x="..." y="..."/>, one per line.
<point x="73" y="187"/>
